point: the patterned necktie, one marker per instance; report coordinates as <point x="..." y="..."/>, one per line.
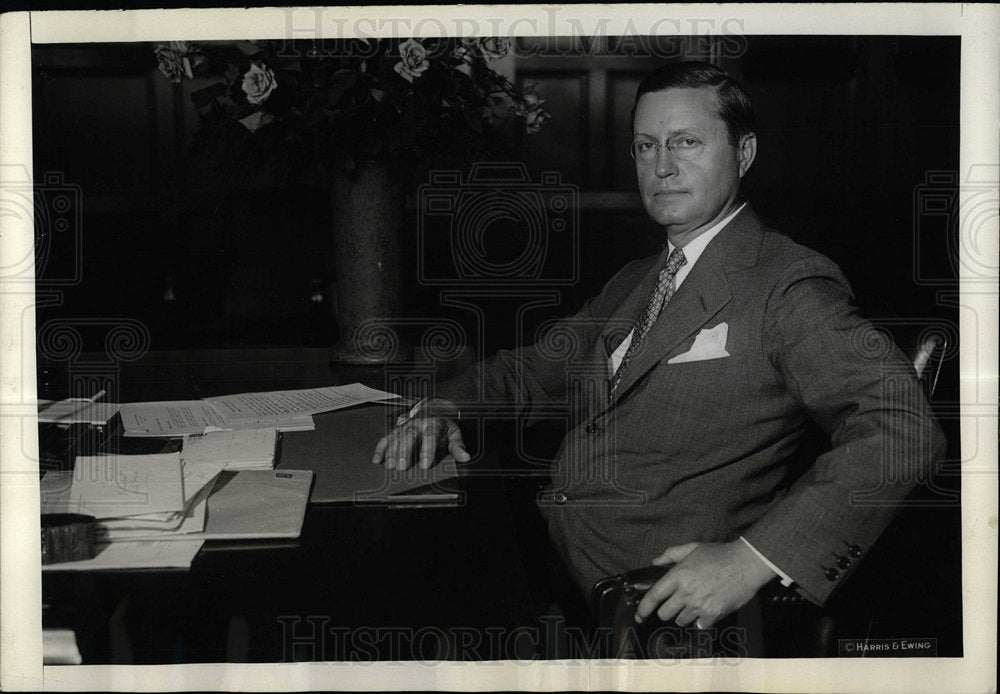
<point x="657" y="300"/>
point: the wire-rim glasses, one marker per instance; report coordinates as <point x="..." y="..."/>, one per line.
<point x="684" y="147"/>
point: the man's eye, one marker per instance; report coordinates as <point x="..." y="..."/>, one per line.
<point x="644" y="146"/>
<point x="686" y="143"/>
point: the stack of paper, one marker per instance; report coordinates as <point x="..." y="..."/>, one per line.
<point x="284" y="410"/>
<point x="199" y="480"/>
<point x="182" y="417"/>
<point x="116" y="486"/>
<point x="132" y="496"/>
<point x="244" y="504"/>
<point x="240" y="449"/>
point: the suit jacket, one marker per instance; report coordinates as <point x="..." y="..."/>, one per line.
<point x="703" y="449"/>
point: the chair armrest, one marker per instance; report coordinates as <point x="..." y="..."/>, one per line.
<point x="793" y="620"/>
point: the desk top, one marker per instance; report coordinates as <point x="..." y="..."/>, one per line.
<point x="389" y="569"/>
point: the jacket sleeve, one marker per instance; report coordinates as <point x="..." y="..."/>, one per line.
<point x="534" y="377"/>
<point x="855" y="384"/>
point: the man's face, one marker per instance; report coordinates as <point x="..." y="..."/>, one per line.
<point x="686" y="197"/>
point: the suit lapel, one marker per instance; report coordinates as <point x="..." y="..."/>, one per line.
<point x="621" y="322"/>
<point x="703" y="294"/>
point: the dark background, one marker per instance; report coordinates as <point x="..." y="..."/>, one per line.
<point x="854" y="133"/>
<point x="857" y="158"/>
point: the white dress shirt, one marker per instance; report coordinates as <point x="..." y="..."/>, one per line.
<point x="692" y="252"/>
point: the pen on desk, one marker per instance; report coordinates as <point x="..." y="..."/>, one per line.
<point x="97" y="396"/>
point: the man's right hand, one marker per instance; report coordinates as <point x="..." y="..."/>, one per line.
<point x="422" y="434"/>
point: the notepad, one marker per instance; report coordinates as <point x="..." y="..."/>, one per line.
<point x="260" y="504"/>
<point x="239" y="449"/>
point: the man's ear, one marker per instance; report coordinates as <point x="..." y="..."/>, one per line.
<point x="746" y="151"/>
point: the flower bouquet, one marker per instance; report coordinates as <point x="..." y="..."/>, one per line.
<point x="294" y="104"/>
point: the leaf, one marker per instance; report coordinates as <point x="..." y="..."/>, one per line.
<point x="248" y="47"/>
<point x="203" y="97"/>
<point x="473" y="122"/>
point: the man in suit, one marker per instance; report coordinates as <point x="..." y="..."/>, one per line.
<point x="718" y="350"/>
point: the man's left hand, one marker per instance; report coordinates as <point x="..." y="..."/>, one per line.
<point x="708" y="581"/>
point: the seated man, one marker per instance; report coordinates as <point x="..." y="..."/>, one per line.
<point x="682" y="452"/>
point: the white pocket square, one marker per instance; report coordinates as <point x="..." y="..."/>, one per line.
<point x="710" y="343"/>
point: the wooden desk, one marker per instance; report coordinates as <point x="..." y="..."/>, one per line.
<point x="361" y="583"/>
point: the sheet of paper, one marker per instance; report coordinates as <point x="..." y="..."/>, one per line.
<point x="192" y="522"/>
<point x="156" y="554"/>
<point x="234" y="449"/>
<point x="265" y="407"/>
<point x="76" y="411"/>
<point x="199" y="478"/>
<point x="116" y="485"/>
<point x="170" y="418"/>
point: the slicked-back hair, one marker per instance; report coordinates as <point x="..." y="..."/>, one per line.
<point x="734" y="103"/>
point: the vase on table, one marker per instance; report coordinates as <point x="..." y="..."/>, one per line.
<point x="368" y="205"/>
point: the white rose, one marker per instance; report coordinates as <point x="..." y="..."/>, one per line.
<point x="414" y="60"/>
<point x="258" y="83"/>
<point x="172" y="64"/>
<point x="494" y="47"/>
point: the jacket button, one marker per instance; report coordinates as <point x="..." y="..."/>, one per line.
<point x="854" y="551"/>
<point x="591" y="427"/>
<point x="843" y="562"/>
<point x="560" y="498"/>
<point x="832" y="574"/>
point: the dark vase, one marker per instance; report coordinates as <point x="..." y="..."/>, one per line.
<point x="368" y="213"/>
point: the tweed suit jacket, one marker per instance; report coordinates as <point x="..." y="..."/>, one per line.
<point x="702" y="449"/>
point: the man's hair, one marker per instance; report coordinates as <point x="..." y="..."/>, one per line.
<point x="734" y="103"/>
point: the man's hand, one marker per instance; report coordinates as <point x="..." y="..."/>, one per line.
<point x="430" y="432"/>
<point x="708" y="581"/>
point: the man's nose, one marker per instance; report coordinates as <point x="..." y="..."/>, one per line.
<point x="666" y="164"/>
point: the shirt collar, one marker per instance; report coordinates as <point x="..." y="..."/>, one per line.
<point x="694" y="249"/>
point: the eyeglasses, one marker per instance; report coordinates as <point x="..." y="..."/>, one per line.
<point x="684" y="147"/>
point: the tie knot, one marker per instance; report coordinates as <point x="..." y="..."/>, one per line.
<point x="675" y="262"/>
